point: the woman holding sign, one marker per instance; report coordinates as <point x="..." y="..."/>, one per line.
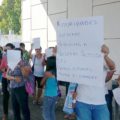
<point x="17" y="80"/>
<point x="38" y="69"/>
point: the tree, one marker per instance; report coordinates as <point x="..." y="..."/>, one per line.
<point x="10" y="16"/>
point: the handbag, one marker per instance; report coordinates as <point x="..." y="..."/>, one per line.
<point x="28" y="77"/>
<point x="30" y="85"/>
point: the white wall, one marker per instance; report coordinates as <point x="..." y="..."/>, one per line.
<point x="109" y="9"/>
<point x="39" y="20"/>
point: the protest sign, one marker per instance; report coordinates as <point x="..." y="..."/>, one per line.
<point x="49" y="52"/>
<point x="36" y="43"/>
<point x="13" y="58"/>
<point x="79" y="57"/>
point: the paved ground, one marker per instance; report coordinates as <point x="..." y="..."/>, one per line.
<point x="36" y="110"/>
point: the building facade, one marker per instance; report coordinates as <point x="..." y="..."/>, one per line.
<point x="39" y="20"/>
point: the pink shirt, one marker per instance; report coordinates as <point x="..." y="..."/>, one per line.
<point x="4" y="65"/>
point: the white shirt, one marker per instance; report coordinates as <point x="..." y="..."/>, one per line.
<point x="38" y="67"/>
<point x="92" y="94"/>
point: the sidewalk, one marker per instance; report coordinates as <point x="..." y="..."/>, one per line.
<point x="36" y="110"/>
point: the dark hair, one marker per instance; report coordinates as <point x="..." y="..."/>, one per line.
<point x="22" y="44"/>
<point x="20" y="51"/>
<point x="39" y="48"/>
<point x="1" y="48"/>
<point x="10" y="45"/>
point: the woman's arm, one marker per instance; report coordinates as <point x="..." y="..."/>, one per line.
<point x="109" y="62"/>
<point x="43" y="62"/>
<point x="30" y="53"/>
<point x="10" y="77"/>
<point x="15" y="78"/>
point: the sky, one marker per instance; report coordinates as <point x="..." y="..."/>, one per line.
<point x="1" y="2"/>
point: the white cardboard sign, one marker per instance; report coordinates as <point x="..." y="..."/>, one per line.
<point x="13" y="58"/>
<point x="79" y="57"/>
<point x="36" y="43"/>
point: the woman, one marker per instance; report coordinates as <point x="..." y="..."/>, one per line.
<point x="51" y="88"/>
<point x="38" y="71"/>
<point x="5" y="83"/>
<point x="19" y="95"/>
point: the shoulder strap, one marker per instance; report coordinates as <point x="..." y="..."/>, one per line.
<point x="34" y="59"/>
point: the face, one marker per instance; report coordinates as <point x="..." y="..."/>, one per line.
<point x="38" y="51"/>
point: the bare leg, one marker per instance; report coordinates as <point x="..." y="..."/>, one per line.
<point x="39" y="93"/>
<point x="34" y="97"/>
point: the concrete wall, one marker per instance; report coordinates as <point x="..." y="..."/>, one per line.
<point x="39" y="19"/>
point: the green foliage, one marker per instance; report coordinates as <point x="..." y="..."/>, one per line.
<point x="10" y="16"/>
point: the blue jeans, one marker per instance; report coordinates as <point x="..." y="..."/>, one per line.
<point x="91" y="112"/>
<point x="49" y="108"/>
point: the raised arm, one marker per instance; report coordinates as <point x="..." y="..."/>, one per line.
<point x="108" y="60"/>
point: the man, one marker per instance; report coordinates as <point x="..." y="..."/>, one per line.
<point x="91" y="103"/>
<point x="26" y="55"/>
<point x="3" y="69"/>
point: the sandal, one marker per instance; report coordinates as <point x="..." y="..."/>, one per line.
<point x="66" y="116"/>
<point x="71" y="117"/>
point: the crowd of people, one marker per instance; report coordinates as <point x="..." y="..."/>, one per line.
<point x="90" y="102"/>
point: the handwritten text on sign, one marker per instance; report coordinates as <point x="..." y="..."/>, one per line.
<point x="79" y="56"/>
